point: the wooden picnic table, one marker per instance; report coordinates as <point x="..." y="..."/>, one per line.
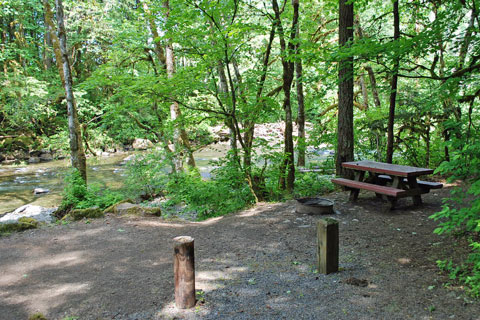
<point x="389" y="181"/>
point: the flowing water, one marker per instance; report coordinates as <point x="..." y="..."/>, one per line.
<point x="18" y="182"/>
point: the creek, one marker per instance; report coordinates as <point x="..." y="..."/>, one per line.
<point x="18" y="182"/>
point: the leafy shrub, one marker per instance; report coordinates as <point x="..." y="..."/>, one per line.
<point x="80" y="196"/>
<point x="147" y="175"/>
<point x="311" y="184"/>
<point x="270" y="175"/>
<point x="226" y="192"/>
<point x="462" y="212"/>
<point x="59" y="141"/>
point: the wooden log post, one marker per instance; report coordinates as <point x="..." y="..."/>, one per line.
<point x="184" y="272"/>
<point x="327" y="245"/>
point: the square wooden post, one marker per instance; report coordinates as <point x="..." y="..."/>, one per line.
<point x="327" y="245"/>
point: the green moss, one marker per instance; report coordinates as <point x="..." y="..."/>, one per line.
<point x="154" y="211"/>
<point x="130" y="209"/>
<point x="23" y="223"/>
<point x="79" y="214"/>
<point x="37" y="316"/>
<point x="27" y="223"/>
<point x="112" y="208"/>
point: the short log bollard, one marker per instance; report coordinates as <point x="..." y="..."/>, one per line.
<point x="184" y="271"/>
<point x="327" y="245"/>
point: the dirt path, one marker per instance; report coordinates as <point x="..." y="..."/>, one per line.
<point x="257" y="264"/>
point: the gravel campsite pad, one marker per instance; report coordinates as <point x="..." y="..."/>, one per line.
<point x="255" y="264"/>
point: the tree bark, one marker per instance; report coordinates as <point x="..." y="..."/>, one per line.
<point x="55" y="41"/>
<point x="301" y="105"/>
<point x="250" y="124"/>
<point x="159" y="51"/>
<point x="224" y="94"/>
<point x="371" y="74"/>
<point x="345" y="93"/>
<point x="363" y="86"/>
<point x="181" y="141"/>
<point x="394" y="84"/>
<point x="373" y="83"/>
<point x="76" y="147"/>
<point x="288" y="165"/>
<point x="47" y="56"/>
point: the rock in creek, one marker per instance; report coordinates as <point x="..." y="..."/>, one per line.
<point x="40" y="191"/>
<point x="38" y="213"/>
<point x="142" y="144"/>
<point x="33" y="160"/>
<point x="44" y="157"/>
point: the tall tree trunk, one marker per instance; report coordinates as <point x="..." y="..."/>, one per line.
<point x="393" y="90"/>
<point x="445" y="105"/>
<point x="54" y="38"/>
<point x="371" y="74"/>
<point x="181" y="141"/>
<point x="427" y="142"/>
<point x="159" y="50"/>
<point x="345" y="91"/>
<point x="373" y="83"/>
<point x="224" y="95"/>
<point x="301" y="106"/>
<point x="448" y="107"/>
<point x="47" y="43"/>
<point x="364" y="92"/>
<point x="250" y="124"/>
<point x="76" y="147"/>
<point x="288" y="165"/>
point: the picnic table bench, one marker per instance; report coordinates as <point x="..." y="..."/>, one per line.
<point x="388" y="181"/>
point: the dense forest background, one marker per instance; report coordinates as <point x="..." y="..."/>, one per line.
<point x="168" y="71"/>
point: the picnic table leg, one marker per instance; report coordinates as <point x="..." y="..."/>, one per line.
<point x="396" y="183"/>
<point x="378" y="181"/>
<point x="354" y="192"/>
<point x="393" y="202"/>
<point x="412" y="183"/>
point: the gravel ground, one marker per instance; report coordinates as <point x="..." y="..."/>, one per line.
<point x="256" y="264"/>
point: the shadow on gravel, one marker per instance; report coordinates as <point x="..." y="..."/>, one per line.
<point x="257" y="264"/>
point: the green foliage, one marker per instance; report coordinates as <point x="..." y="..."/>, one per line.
<point x="227" y="191"/>
<point x="271" y="174"/>
<point x="312" y="184"/>
<point x="461" y="213"/>
<point x="77" y="195"/>
<point x="58" y="141"/>
<point x="147" y="175"/>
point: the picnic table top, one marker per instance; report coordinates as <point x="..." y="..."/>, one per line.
<point x="387" y="168"/>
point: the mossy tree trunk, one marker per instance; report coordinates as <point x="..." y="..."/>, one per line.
<point x="76" y="147"/>
<point x="288" y="166"/>
<point x="345" y="91"/>
<point x="50" y="26"/>
<point x="394" y="85"/>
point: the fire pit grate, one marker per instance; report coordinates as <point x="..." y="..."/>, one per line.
<point x="314" y="206"/>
